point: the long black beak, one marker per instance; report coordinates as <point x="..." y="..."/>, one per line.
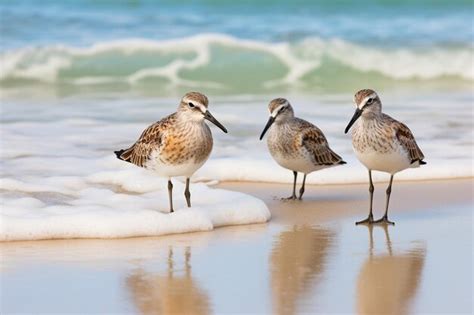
<point x="357" y="114"/>
<point x="269" y="123"/>
<point x="211" y="118"/>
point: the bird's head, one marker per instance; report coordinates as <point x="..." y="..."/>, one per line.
<point x="367" y="104"/>
<point x="194" y="107"/>
<point x="280" y="110"/>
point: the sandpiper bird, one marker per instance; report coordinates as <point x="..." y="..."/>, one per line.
<point x="177" y="145"/>
<point x="297" y="144"/>
<point x="381" y="143"/>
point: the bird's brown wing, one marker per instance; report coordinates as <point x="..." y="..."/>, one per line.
<point x="315" y="142"/>
<point x="150" y="139"/>
<point x="407" y="141"/>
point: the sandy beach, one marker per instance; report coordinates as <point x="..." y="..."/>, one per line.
<point x="310" y="258"/>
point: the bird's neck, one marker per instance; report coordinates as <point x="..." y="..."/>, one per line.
<point x="284" y="120"/>
<point x="186" y="119"/>
<point x="370" y="116"/>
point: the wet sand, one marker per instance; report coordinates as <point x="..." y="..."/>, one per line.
<point x="323" y="203"/>
<point x="310" y="258"/>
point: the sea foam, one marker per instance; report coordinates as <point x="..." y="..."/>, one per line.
<point x="126" y="202"/>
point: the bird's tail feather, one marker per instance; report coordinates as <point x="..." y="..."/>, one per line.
<point x="119" y="153"/>
<point x="123" y="155"/>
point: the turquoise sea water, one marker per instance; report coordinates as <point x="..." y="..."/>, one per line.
<point x="80" y="79"/>
<point x="228" y="47"/>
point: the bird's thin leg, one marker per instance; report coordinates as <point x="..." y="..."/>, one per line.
<point x="293" y="196"/>
<point x="170" y="194"/>
<point x="385" y="219"/>
<point x="187" y="193"/>
<point x="370" y="218"/>
<point x="302" y="188"/>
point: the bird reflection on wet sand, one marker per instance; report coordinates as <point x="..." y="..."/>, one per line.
<point x="297" y="263"/>
<point x="170" y="293"/>
<point x="387" y="283"/>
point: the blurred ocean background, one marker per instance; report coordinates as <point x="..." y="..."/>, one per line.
<point x="234" y="47"/>
<point x="80" y="79"/>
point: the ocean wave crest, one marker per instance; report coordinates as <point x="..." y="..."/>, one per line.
<point x="220" y="61"/>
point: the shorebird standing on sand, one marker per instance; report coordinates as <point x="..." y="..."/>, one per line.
<point x="177" y="145"/>
<point x="381" y="143"/>
<point x="297" y="144"/>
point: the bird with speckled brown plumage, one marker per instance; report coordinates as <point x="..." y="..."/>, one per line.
<point x="296" y="144"/>
<point x="381" y="143"/>
<point x="177" y="145"/>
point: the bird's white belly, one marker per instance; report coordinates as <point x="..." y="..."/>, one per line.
<point x="186" y="169"/>
<point x="300" y="163"/>
<point x="390" y="162"/>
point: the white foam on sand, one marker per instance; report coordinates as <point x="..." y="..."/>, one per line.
<point x="124" y="202"/>
<point x="267" y="170"/>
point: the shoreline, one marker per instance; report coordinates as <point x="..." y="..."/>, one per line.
<point x="337" y="201"/>
<point x="325" y="203"/>
<point x="441" y="179"/>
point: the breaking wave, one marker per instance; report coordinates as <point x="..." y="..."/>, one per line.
<point x="221" y="61"/>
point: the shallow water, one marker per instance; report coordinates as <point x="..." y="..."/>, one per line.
<point x="76" y="136"/>
<point x="421" y="265"/>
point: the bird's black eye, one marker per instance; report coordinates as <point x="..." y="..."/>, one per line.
<point x="191" y="104"/>
<point x="369" y="101"/>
